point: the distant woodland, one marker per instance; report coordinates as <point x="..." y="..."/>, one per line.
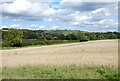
<point x="24" y="37"/>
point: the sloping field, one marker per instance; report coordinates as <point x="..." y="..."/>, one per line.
<point x="100" y="52"/>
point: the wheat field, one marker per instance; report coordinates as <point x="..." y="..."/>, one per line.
<point x="100" y="52"/>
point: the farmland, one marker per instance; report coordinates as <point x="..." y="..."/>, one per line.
<point x="85" y="59"/>
<point x="59" y="40"/>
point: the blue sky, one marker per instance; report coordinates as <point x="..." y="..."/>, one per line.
<point x="60" y="14"/>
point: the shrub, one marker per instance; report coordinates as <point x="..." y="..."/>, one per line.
<point x="46" y="42"/>
<point x="14" y="38"/>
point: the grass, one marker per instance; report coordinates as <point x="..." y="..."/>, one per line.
<point x="63" y="72"/>
<point x="0" y="73"/>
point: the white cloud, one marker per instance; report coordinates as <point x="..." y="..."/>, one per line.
<point x="24" y="9"/>
<point x="98" y="10"/>
<point x="33" y="25"/>
<point x="65" y="0"/>
<point x="15" y="25"/>
<point x="77" y="14"/>
<point x="102" y="21"/>
<point x="89" y="1"/>
<point x="116" y="23"/>
<point x="40" y="27"/>
<point x="48" y="19"/>
<point x="29" y="0"/>
<point x="84" y="18"/>
<point x="3" y="27"/>
<point x="55" y="27"/>
<point x="75" y="23"/>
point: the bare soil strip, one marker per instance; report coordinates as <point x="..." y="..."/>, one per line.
<point x="100" y="52"/>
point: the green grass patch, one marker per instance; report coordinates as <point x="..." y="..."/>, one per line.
<point x="63" y="72"/>
<point x="0" y="73"/>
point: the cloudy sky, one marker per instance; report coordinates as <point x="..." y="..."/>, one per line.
<point x="59" y="14"/>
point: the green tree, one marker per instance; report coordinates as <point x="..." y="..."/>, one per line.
<point x="14" y="37"/>
<point x="31" y="35"/>
<point x="48" y="37"/>
<point x="92" y="36"/>
<point x="71" y="37"/>
<point x="111" y="35"/>
<point x="61" y="37"/>
<point x="82" y="37"/>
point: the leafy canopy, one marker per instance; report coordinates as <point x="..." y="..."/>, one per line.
<point x="14" y="37"/>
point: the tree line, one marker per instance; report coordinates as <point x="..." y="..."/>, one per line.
<point x="14" y="37"/>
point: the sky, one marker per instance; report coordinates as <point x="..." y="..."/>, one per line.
<point x="59" y="15"/>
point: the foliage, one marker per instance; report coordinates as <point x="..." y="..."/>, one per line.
<point x="82" y="37"/>
<point x="14" y="37"/>
<point x="30" y="35"/>
<point x="71" y="37"/>
<point x="45" y="42"/>
<point x="61" y="37"/>
<point x="111" y="35"/>
<point x="52" y="35"/>
<point x="48" y="37"/>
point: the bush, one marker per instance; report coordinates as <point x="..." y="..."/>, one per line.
<point x="45" y="42"/>
<point x="82" y="37"/>
<point x="14" y="38"/>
